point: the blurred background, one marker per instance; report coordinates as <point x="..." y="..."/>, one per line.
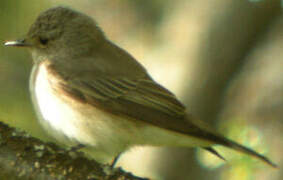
<point x="222" y="58"/>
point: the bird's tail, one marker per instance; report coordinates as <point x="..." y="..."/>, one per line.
<point x="203" y="131"/>
<point x="236" y="146"/>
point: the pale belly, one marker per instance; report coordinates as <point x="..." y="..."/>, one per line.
<point x="73" y="123"/>
<point x="106" y="135"/>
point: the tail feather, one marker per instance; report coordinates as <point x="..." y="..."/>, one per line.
<point x="213" y="151"/>
<point x="236" y="146"/>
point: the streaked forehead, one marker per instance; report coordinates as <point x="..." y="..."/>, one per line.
<point x="51" y="19"/>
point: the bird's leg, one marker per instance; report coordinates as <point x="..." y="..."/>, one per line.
<point x="76" y="148"/>
<point x="115" y="160"/>
<point x="109" y="170"/>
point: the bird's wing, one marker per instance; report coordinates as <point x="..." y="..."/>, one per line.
<point x="141" y="99"/>
<point x="147" y="101"/>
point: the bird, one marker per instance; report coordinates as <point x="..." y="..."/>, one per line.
<point x="88" y="91"/>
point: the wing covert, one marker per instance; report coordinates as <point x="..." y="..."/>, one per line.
<point x="143" y="92"/>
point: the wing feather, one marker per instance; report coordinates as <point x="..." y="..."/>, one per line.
<point x="143" y="92"/>
<point x="141" y="99"/>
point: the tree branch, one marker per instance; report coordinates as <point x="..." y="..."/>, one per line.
<point x="25" y="157"/>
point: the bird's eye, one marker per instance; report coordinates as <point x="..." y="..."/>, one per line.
<point x="43" y="41"/>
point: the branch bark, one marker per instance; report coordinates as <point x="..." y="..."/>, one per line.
<point x="25" y="157"/>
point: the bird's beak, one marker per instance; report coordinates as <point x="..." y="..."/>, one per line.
<point x="17" y="43"/>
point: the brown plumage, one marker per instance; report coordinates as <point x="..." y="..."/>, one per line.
<point x="76" y="65"/>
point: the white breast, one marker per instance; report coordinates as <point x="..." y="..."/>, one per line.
<point x="71" y="122"/>
<point x="56" y="116"/>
